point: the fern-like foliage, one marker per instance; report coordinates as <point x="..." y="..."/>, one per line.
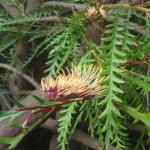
<point x="65" y="126"/>
<point x="117" y="41"/>
<point x="63" y="46"/>
<point x="62" y="43"/>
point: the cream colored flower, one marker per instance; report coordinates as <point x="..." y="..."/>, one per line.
<point x="79" y="83"/>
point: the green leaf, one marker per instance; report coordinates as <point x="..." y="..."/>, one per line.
<point x="116" y="111"/>
<point x="16" y="141"/>
<point x="9" y="114"/>
<point x="116" y="98"/>
<point x="138" y="116"/>
<point x="7" y="140"/>
<point x="39" y="99"/>
<point x="52" y="103"/>
<point x="116" y="89"/>
<point x="119" y="52"/>
<point x="65" y="124"/>
<point x="116" y="79"/>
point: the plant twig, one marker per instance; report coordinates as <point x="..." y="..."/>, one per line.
<point x="38" y="19"/>
<point x="2" y="20"/>
<point x="139" y="8"/>
<point x="23" y="75"/>
<point x="137" y="28"/>
<point x="72" y="6"/>
<point x="134" y="62"/>
<point x="49" y="18"/>
<point x="148" y="95"/>
<point x="10" y="8"/>
<point x="32" y="4"/>
<point x="143" y="9"/>
<point x="4" y="102"/>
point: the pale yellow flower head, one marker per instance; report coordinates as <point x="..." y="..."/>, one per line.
<point x="79" y="83"/>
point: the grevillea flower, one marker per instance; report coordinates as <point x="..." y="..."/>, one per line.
<point x="79" y="83"/>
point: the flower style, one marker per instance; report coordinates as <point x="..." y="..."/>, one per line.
<point x="80" y="83"/>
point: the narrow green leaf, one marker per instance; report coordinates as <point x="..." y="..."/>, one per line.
<point x="116" y="89"/>
<point x="116" y="79"/>
<point x="39" y="99"/>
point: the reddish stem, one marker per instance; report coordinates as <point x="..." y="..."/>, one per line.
<point x="134" y="62"/>
<point x="28" y="116"/>
<point x="24" y="108"/>
<point x="33" y="108"/>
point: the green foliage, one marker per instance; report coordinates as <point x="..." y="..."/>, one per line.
<point x="138" y="116"/>
<point x="66" y="124"/>
<point x="9" y="115"/>
<point x="64" y="45"/>
<point x="59" y="44"/>
<point x="13" y="141"/>
<point x="117" y="42"/>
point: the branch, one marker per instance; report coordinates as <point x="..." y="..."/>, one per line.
<point x="5" y="105"/>
<point x="23" y="75"/>
<point x="53" y="142"/>
<point x="32" y="4"/>
<point x="143" y="9"/>
<point x="38" y="19"/>
<point x="72" y="6"/>
<point x="2" y="20"/>
<point x="137" y="28"/>
<point x="10" y="8"/>
<point x="139" y="8"/>
<point x="50" y="18"/>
